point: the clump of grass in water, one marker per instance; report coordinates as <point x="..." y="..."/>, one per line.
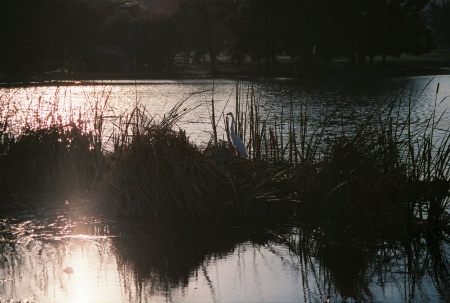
<point x="384" y="180"/>
<point x="52" y="160"/>
<point x="381" y="179"/>
<point x="51" y="151"/>
<point x="156" y="171"/>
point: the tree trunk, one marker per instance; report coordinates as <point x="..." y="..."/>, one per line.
<point x="212" y="54"/>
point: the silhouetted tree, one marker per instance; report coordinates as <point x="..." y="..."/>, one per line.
<point x="44" y="34"/>
<point x="156" y="45"/>
<point x="47" y="34"/>
<point x="361" y="28"/>
<point x="258" y="27"/>
<point x="439" y="19"/>
<point x="201" y="27"/>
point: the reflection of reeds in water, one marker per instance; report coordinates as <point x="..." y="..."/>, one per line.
<point x="24" y="269"/>
<point x="364" y="272"/>
<point x="163" y="255"/>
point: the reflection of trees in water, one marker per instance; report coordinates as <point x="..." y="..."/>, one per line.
<point x="365" y="272"/>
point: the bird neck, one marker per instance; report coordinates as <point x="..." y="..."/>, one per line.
<point x="232" y="125"/>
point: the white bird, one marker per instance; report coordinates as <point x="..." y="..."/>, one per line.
<point x="239" y="146"/>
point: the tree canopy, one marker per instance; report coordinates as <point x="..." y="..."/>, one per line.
<point x="439" y="18"/>
<point x="66" y="34"/>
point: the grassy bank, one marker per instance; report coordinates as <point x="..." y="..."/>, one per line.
<point x="381" y="177"/>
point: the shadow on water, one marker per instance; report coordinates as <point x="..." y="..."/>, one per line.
<point x="54" y="254"/>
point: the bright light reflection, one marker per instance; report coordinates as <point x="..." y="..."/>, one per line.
<point x="42" y="105"/>
<point x="250" y="274"/>
<point x="95" y="278"/>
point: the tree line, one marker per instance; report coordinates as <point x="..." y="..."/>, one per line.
<point x="109" y="35"/>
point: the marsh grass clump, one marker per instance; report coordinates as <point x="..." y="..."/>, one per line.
<point x="380" y="181"/>
<point x="51" y="160"/>
<point x="378" y="177"/>
<point x="156" y="171"/>
<point x="352" y="193"/>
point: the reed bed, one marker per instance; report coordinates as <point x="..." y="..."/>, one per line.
<point x="156" y="171"/>
<point x="59" y="158"/>
<point x="377" y="190"/>
<point x="378" y="177"/>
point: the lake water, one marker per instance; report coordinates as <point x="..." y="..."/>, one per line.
<point x="348" y="98"/>
<point x="55" y="254"/>
<point x="60" y="254"/>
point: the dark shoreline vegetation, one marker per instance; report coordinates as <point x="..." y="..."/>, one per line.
<point x="153" y="37"/>
<point x="435" y="63"/>
<point x="384" y="179"/>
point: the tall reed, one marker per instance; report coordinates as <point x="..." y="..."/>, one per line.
<point x="156" y="171"/>
<point x="388" y="177"/>
<point x="50" y="160"/>
<point x="50" y="152"/>
<point x="380" y="175"/>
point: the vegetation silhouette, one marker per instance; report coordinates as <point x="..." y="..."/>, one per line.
<point x="49" y="39"/>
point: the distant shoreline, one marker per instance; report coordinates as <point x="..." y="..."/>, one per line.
<point x="431" y="65"/>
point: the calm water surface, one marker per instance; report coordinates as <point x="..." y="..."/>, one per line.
<point x="348" y="98"/>
<point x="58" y="255"/>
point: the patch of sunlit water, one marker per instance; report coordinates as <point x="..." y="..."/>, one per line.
<point x="42" y="105"/>
<point x="51" y="264"/>
<point x="43" y="260"/>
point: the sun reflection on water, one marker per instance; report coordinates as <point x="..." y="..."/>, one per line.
<point x="89" y="274"/>
<point x="43" y="105"/>
<point x="163" y="263"/>
<point x="71" y="103"/>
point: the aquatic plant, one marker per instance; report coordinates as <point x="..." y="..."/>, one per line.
<point x="386" y="178"/>
<point x="50" y="160"/>
<point x="378" y="177"/>
<point x="378" y="190"/>
<point x="47" y="154"/>
<point x="156" y="171"/>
